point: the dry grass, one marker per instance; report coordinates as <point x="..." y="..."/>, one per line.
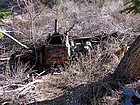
<point x="91" y="18"/>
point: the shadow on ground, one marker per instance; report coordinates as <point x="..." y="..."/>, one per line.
<point x="82" y="95"/>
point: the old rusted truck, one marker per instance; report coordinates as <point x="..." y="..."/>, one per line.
<point x="58" y="49"/>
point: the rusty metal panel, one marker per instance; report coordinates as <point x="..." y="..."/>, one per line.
<point x="55" y="54"/>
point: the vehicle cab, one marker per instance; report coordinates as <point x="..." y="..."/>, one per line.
<point x="56" y="50"/>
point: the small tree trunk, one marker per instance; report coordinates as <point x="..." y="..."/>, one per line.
<point x="130" y="63"/>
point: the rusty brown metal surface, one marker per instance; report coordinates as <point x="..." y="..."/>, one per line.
<point x="55" y="54"/>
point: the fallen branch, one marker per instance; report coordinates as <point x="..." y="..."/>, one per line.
<point x="19" y="90"/>
<point x="4" y="59"/>
<point x="15" y="40"/>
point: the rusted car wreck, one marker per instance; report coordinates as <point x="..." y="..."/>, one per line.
<point x="57" y="50"/>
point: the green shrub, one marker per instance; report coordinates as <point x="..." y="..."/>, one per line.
<point x="4" y="14"/>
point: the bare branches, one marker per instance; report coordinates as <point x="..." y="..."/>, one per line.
<point x="15" y="40"/>
<point x="21" y="90"/>
<point x="24" y="87"/>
